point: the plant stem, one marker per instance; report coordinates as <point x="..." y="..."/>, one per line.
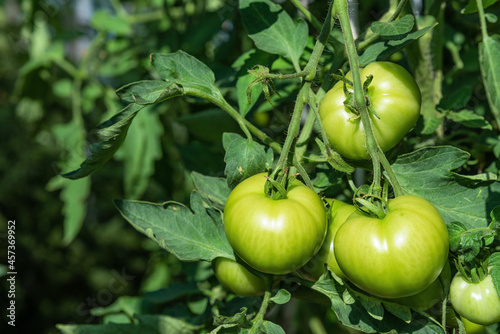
<point x="359" y="97"/>
<point x="244" y="124"/>
<point x="303" y="97"/>
<point x="294" y="126"/>
<point x="396" y="186"/>
<point x="376" y="153"/>
<point x="482" y="19"/>
<point x="307" y="14"/>
<point x="257" y="321"/>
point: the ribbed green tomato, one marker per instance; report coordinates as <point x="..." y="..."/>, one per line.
<point x="274" y="236"/>
<point x="476" y="302"/>
<point x="339" y="212"/>
<point x="237" y="279"/>
<point x="397" y="256"/>
<point x="395" y="97"/>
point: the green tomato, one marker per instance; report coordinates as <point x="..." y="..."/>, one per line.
<point x="339" y="212"/>
<point x="425" y="299"/>
<point x="395" y="97"/>
<point x="274" y="236"/>
<point x="476" y="302"/>
<point x="397" y="256"/>
<point x="431" y="295"/>
<point x="237" y="279"/>
<point x="473" y="328"/>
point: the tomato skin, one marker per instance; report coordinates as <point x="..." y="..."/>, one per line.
<point x="396" y="99"/>
<point x="473" y="328"/>
<point x="397" y="256"/>
<point x="476" y="302"/>
<point x="274" y="236"/>
<point x="237" y="279"/>
<point x="339" y="212"/>
<point x="425" y="299"/>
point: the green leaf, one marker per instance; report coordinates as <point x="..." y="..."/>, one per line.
<point x="149" y="91"/>
<point x="469" y="242"/>
<point x="427" y="126"/>
<point x="140" y="152"/>
<point x="491" y="18"/>
<point x="495" y="215"/>
<point x="273" y="30"/>
<point x="243" y="158"/>
<point x="164" y="324"/>
<point x="244" y="63"/>
<point x="173" y="292"/>
<point x="400" y="311"/>
<point x="427" y="173"/>
<point x="105" y="21"/>
<point x="147" y="324"/>
<point x="385" y="48"/>
<point x="214" y="189"/>
<point x="372" y="305"/>
<point x="357" y="317"/>
<point x="74" y="193"/>
<point x="489" y="61"/>
<point x="129" y="305"/>
<point x="472" y="6"/>
<point x="269" y="327"/>
<point x="238" y="318"/>
<point x="494" y="261"/>
<point x="74" y="196"/>
<point x="217" y="120"/>
<point x="469" y="119"/>
<point x="394" y="29"/>
<point x="281" y="297"/>
<point x="109" y="136"/>
<point x="189" y="235"/>
<point x="185" y="71"/>
<point x="456" y="98"/>
<point x="455" y="230"/>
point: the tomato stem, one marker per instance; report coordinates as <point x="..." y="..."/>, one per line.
<point x="360" y="104"/>
<point x="259" y="318"/>
<point x="247" y="127"/>
<point x="359" y="96"/>
<point x="294" y="126"/>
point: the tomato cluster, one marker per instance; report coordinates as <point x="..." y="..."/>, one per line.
<point x="401" y="256"/>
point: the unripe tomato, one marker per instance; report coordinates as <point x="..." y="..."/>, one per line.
<point x="473" y="328"/>
<point x="431" y="295"/>
<point x="397" y="256"/>
<point x="237" y="279"/>
<point x="274" y="236"/>
<point x="395" y="97"/>
<point x="476" y="302"/>
<point x="425" y="299"/>
<point x="339" y="212"/>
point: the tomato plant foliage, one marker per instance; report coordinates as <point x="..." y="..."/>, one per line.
<point x="443" y="159"/>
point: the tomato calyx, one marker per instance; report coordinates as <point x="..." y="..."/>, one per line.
<point x="371" y="201"/>
<point x="369" y="207"/>
<point x="349" y="93"/>
<point x="277" y="183"/>
<point x="472" y="272"/>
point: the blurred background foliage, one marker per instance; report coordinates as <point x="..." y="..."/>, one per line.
<point x="60" y="64"/>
